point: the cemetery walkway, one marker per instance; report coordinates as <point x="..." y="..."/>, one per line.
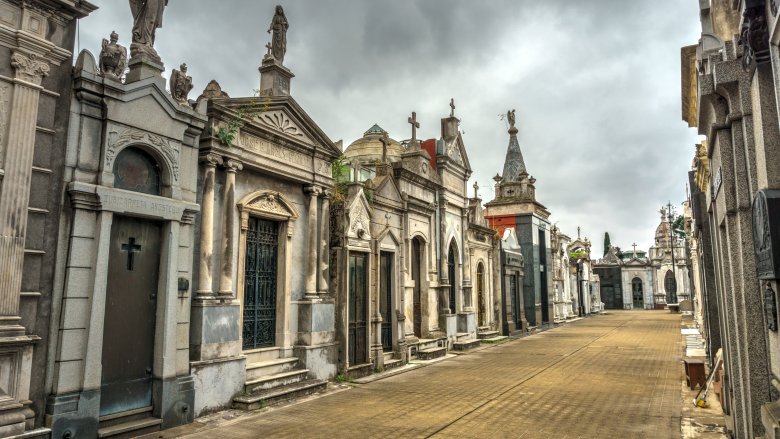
<point x="611" y="376"/>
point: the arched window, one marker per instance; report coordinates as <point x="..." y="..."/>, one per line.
<point x="137" y="171"/>
<point x="636" y="285"/>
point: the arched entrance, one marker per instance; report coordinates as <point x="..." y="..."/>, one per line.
<point x="637" y="293"/>
<point x="452" y="275"/>
<point x="481" y="306"/>
<point x="670" y="285"/>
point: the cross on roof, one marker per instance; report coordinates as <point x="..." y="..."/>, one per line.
<point x="476" y="190"/>
<point x="415" y="125"/>
<point x="634" y="249"/>
<point x="385" y="142"/>
<point x="578" y="232"/>
<point x="131" y="248"/>
<point x="452" y="107"/>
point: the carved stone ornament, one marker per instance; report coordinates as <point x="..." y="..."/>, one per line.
<point x="180" y="84"/>
<point x="770" y="308"/>
<point x="118" y="140"/>
<point x="359" y="223"/>
<point x="30" y="68"/>
<point x="213" y="90"/>
<point x="279" y="121"/>
<point x="269" y="203"/>
<point x="113" y="58"/>
<point x="278" y="31"/>
<point x="754" y="37"/>
<point x="766" y="233"/>
<point x="147" y="18"/>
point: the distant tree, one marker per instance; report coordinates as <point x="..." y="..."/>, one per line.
<point x="606" y="243"/>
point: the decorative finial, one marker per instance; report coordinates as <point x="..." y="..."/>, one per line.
<point x="415" y="125"/>
<point x="113" y="58"/>
<point x="510" y="117"/>
<point x="452" y="107"/>
<point x="578" y="232"/>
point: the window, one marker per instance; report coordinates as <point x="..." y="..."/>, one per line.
<point x="136" y="171"/>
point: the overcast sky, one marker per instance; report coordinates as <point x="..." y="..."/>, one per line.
<point x="595" y="85"/>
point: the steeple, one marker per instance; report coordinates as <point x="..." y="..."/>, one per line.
<point x="514" y="165"/>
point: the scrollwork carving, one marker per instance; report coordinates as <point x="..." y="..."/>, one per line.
<point x="169" y="150"/>
<point x="30" y="68"/>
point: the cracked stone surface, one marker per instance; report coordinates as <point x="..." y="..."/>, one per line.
<point x="609" y="376"/>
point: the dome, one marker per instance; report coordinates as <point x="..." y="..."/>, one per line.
<point x="369" y="147"/>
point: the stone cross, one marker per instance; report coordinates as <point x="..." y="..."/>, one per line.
<point x="476" y="190"/>
<point x="385" y="142"/>
<point x="578" y="232"/>
<point x="415" y="125"/>
<point x="452" y="107"/>
<point x="131" y="248"/>
<point x="635" y="249"/>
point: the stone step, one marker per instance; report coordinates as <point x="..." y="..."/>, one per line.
<point x="360" y="370"/>
<point x="431" y="353"/>
<point x="262" y="354"/>
<point x="428" y="343"/>
<point x="393" y="363"/>
<point x="124" y="417"/>
<point x="495" y="339"/>
<point x="279" y="395"/>
<point x="269" y="367"/>
<point x="465" y="345"/>
<point x="463" y="336"/>
<point x="486" y="334"/>
<point x="276" y="380"/>
<point x="483" y="329"/>
<point x="132" y="428"/>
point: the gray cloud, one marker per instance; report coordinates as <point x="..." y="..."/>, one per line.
<point x="595" y="84"/>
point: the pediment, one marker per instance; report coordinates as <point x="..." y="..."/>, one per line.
<point x="456" y="151"/>
<point x="388" y="191"/>
<point x="280" y="121"/>
<point x="268" y="204"/>
<point x="359" y="218"/>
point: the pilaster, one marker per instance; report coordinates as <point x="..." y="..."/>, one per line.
<point x="205" y="292"/>
<point x="311" y="262"/>
<point x="228" y="230"/>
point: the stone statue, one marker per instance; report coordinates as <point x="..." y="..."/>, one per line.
<point x="147" y="18"/>
<point x="113" y="58"/>
<point x="180" y="84"/>
<point x="279" y="27"/>
<point x="510" y="116"/>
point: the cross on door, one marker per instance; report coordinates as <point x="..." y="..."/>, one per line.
<point x="131" y="248"/>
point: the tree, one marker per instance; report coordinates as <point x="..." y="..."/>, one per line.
<point x="607" y="243"/>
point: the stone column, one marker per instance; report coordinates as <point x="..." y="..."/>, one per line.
<point x="324" y="257"/>
<point x="228" y="231"/>
<point x="210" y="163"/>
<point x="311" y="262"/>
<point x="15" y="195"/>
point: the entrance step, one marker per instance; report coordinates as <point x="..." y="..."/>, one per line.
<point x="275" y="380"/>
<point x="263" y="354"/>
<point x="486" y="334"/>
<point x="360" y="370"/>
<point x="131" y="428"/>
<point x="463" y="336"/>
<point x="269" y="367"/>
<point x="265" y="398"/>
<point x="431" y="353"/>
<point x="393" y="363"/>
<point x="495" y="339"/>
<point x="465" y="345"/>
<point x="483" y="329"/>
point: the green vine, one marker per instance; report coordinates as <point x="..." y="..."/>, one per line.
<point x="340" y="172"/>
<point x="227" y="134"/>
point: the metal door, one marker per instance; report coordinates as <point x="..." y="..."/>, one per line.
<point x="386" y="299"/>
<point x="128" y="328"/>
<point x="260" y="270"/>
<point x="513" y="300"/>
<point x="481" y="295"/>
<point x="417" y="299"/>
<point x="638" y="293"/>
<point x="453" y="281"/>
<point x="358" y="301"/>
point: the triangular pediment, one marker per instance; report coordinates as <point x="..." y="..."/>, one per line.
<point x="283" y="117"/>
<point x="456" y="151"/>
<point x="387" y="192"/>
<point x="359" y="217"/>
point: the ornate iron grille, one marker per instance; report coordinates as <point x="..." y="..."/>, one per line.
<point x="513" y="300"/>
<point x="386" y="301"/>
<point x="262" y="243"/>
<point x="358" y="334"/>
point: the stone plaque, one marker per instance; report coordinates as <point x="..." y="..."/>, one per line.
<point x="766" y="233"/>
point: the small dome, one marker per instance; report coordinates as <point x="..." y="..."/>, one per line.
<point x="368" y="148"/>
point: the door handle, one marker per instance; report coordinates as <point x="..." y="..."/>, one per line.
<point x="148" y="370"/>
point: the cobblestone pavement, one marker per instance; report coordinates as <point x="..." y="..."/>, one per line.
<point x="611" y="376"/>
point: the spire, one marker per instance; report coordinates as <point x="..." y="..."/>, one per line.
<point x="514" y="165"/>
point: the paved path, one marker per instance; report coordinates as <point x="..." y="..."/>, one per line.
<point x="610" y="376"/>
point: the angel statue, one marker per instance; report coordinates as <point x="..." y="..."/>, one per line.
<point x="147" y="18"/>
<point x="510" y="116"/>
<point x="180" y="84"/>
<point x="113" y="58"/>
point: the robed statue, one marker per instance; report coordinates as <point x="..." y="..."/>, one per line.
<point x="113" y="58"/>
<point x="147" y="18"/>
<point x="278" y="31"/>
<point x="510" y="116"/>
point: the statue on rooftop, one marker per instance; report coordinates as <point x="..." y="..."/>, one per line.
<point x="278" y="31"/>
<point x="147" y="18"/>
<point x="113" y="58"/>
<point x="510" y="116"/>
<point x="180" y="84"/>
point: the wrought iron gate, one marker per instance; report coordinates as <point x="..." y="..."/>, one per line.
<point x="262" y="249"/>
<point x="358" y="292"/>
<point x="386" y="299"/>
<point x="417" y="299"/>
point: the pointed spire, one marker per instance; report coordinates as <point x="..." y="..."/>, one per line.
<point x="514" y="165"/>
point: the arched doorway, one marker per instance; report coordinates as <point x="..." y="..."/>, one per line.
<point x="417" y="270"/>
<point x="637" y="292"/>
<point x="670" y="285"/>
<point x="481" y="306"/>
<point x="452" y="274"/>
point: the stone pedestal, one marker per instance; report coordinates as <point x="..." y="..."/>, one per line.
<point x="449" y="324"/>
<point x="143" y="66"/>
<point x="274" y="78"/>
<point x="316" y="345"/>
<point x="467" y="322"/>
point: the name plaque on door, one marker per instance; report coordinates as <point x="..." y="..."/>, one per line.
<point x="766" y="233"/>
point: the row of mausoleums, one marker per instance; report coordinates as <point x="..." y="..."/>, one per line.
<point x="165" y="257"/>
